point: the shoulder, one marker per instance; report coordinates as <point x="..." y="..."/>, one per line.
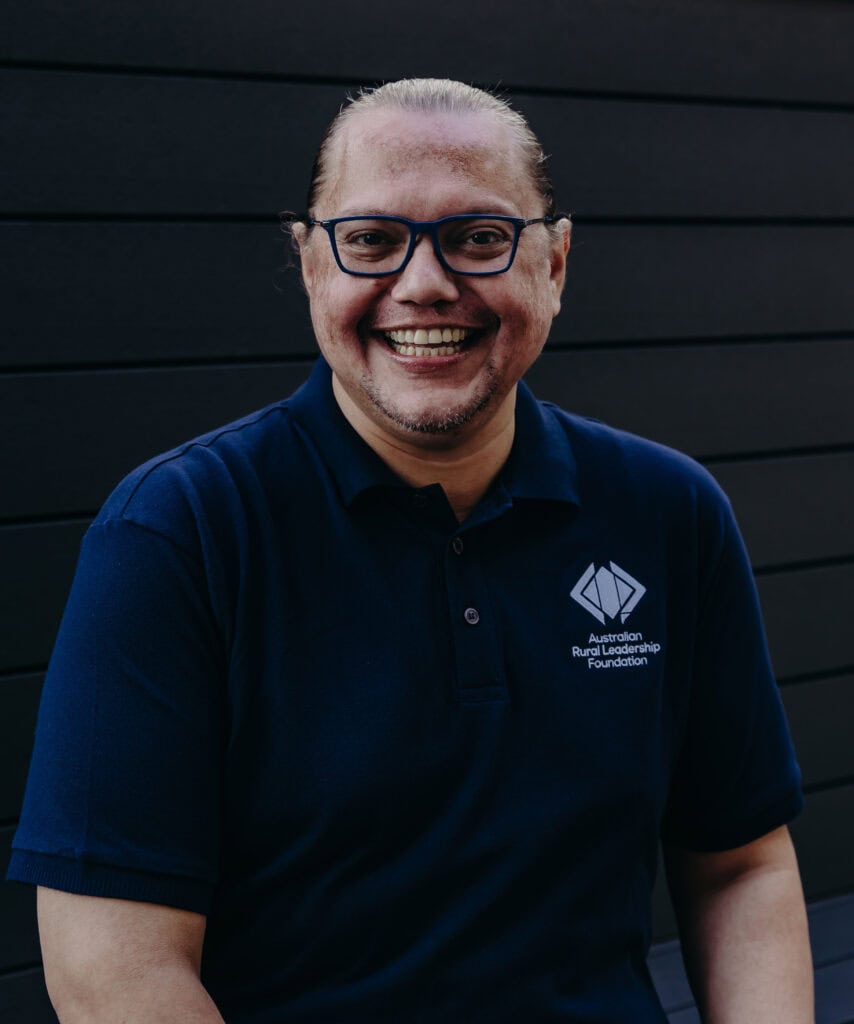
<point x="203" y="475"/>
<point x="642" y="481"/>
<point x="625" y="458"/>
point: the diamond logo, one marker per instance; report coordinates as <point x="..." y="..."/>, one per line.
<point x="607" y="592"/>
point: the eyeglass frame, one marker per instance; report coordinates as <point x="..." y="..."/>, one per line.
<point x="420" y="227"/>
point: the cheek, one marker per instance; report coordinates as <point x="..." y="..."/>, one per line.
<point x="339" y="303"/>
<point x="531" y="309"/>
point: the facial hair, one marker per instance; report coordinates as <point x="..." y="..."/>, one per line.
<point x="433" y="421"/>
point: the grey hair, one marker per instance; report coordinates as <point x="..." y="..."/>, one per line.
<point x="436" y="95"/>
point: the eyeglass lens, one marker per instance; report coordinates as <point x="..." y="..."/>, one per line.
<point x="469" y="245"/>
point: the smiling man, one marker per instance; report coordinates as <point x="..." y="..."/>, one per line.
<point x="492" y="281"/>
<point x="375" y="705"/>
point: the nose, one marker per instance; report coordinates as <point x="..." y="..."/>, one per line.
<point x="424" y="280"/>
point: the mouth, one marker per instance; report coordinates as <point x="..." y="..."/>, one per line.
<point x="432" y="342"/>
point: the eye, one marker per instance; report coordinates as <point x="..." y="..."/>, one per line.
<point x="368" y="239"/>
<point x="484" y="236"/>
<point x="478" y="239"/>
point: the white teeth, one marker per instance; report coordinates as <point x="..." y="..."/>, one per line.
<point x="433" y="336"/>
<point x="426" y="350"/>
<point x="437" y="341"/>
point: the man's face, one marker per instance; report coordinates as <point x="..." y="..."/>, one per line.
<point x="423" y="167"/>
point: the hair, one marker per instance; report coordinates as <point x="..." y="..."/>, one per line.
<point x="429" y="96"/>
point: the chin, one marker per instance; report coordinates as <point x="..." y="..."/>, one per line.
<point x="432" y="421"/>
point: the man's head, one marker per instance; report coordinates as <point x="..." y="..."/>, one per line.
<point x="435" y="96"/>
<point x="426" y="150"/>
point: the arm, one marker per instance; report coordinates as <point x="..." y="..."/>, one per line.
<point x="744" y="931"/>
<point x="110" y="960"/>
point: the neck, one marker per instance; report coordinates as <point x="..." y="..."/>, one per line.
<point x="465" y="465"/>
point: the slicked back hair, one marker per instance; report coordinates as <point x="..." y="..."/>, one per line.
<point x="435" y="96"/>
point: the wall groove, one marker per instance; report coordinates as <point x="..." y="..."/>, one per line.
<point x="503" y="86"/>
<point x="801" y="566"/>
<point x="822" y="787"/>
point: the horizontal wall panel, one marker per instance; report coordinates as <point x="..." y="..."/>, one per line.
<point x="821" y="718"/>
<point x="19" y="701"/>
<point x="709" y="400"/>
<point x="24" y="999"/>
<point x="767" y="49"/>
<point x="792" y="509"/>
<point x="72" y="437"/>
<point x="19" y="943"/>
<point x="38" y="566"/>
<point x="698" y="281"/>
<point x="824" y="840"/>
<point x="130" y="144"/>
<point x="84" y="293"/>
<point x="128" y="292"/>
<point x="140" y="144"/>
<point x="808" y="619"/>
<point x="64" y="461"/>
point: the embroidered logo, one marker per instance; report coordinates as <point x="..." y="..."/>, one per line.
<point x="607" y="592"/>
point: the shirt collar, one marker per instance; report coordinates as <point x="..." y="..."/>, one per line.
<point x="354" y="465"/>
<point x="541" y="465"/>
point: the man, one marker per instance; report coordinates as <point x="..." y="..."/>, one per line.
<point x="372" y="706"/>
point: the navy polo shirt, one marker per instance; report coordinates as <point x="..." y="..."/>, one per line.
<point x="411" y="769"/>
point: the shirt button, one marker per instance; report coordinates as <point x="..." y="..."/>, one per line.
<point x="472" y="616"/>
<point x="419" y="500"/>
<point x="457" y="545"/>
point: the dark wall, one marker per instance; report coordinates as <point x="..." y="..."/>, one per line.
<point x="705" y="151"/>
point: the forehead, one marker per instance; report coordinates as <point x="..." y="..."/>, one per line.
<point x="387" y="151"/>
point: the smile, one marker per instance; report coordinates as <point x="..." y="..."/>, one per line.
<point x="437" y="341"/>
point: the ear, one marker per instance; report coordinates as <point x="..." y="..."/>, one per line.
<point x="302" y="244"/>
<point x="557" y="260"/>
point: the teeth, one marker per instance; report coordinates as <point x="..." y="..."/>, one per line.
<point x="426" y="350"/>
<point x="437" y="341"/>
<point x="435" y="336"/>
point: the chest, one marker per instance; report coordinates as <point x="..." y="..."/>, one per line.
<point x="390" y="675"/>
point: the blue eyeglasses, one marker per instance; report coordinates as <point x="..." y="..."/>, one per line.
<point x="475" y="244"/>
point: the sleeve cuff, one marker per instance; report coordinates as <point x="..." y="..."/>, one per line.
<point x="89" y="879"/>
<point x="727" y="836"/>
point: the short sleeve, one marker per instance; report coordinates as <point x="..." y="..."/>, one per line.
<point x="124" y="789"/>
<point x="736" y="777"/>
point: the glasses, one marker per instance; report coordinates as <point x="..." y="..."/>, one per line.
<point x="476" y="244"/>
